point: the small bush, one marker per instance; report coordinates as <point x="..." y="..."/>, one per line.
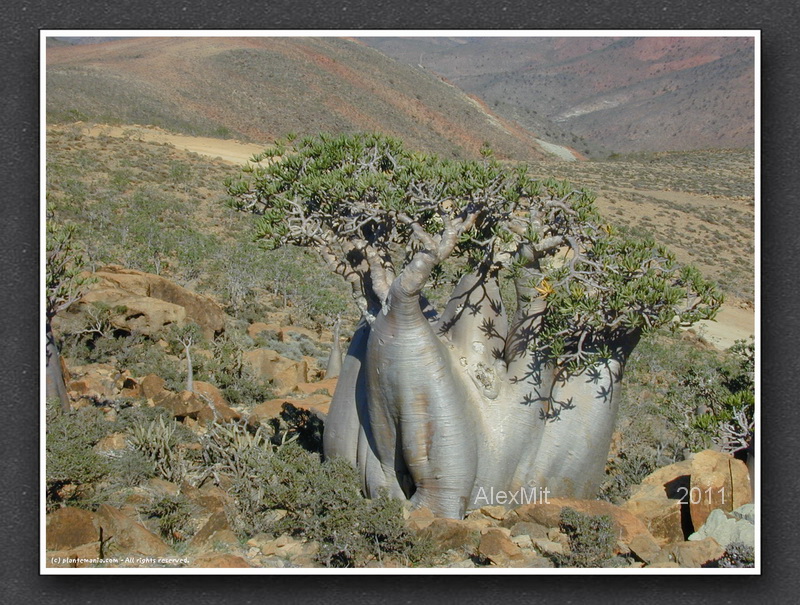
<point x="159" y="442"/>
<point x="174" y="515"/>
<point x="737" y="554"/>
<point x="131" y="468"/>
<point x="71" y="460"/>
<point x="591" y="539"/>
<point x="322" y="501"/>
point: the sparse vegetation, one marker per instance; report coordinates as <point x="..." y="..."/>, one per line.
<point x="591" y="539"/>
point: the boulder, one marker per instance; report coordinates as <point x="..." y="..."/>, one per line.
<point x="152" y="387"/>
<point x="71" y="527"/>
<point x="726" y="528"/>
<point x="528" y="528"/>
<point x="125" y="535"/>
<point x="112" y="442"/>
<point x="419" y="518"/>
<point x="269" y="366"/>
<point x="131" y="312"/>
<point x="497" y="546"/>
<point x="92" y="387"/>
<point x="259" y="327"/>
<point x="660" y="502"/>
<point x="661" y="515"/>
<point x="182" y="404"/>
<point x="548" y="514"/>
<point x="217" y="409"/>
<point x="138" y="285"/>
<point x="217" y="522"/>
<point x="316" y="404"/>
<point x="689" y="554"/>
<point x="327" y="387"/>
<point x="448" y="534"/>
<point x="718" y="480"/>
<point x="218" y="560"/>
<point x="81" y="556"/>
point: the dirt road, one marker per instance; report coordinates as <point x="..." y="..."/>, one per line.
<point x="223" y="149"/>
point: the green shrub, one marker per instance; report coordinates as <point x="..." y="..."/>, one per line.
<point x="737" y="554"/>
<point x="174" y="514"/>
<point x="158" y="441"/>
<point x="322" y="501"/>
<point x="591" y="539"/>
<point x="70" y="459"/>
<point x="131" y="468"/>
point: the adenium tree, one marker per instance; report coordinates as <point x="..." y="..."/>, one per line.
<point x="485" y="396"/>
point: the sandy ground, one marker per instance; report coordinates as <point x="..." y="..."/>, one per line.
<point x="223" y="149"/>
<point x="734" y="322"/>
<point x="558" y="150"/>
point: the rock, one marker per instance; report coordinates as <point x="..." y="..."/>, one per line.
<point x="662" y="515"/>
<point x="182" y="404"/>
<point x="327" y="387"/>
<point x="548" y="547"/>
<point x="689" y="554"/>
<point x="480" y="520"/>
<point x="447" y="534"/>
<point x="152" y="387"/>
<point x="216" y="409"/>
<point x="495" y="512"/>
<point x="257" y="328"/>
<point x="645" y="549"/>
<point x="746" y="511"/>
<point x="549" y="514"/>
<point x="93" y="387"/>
<point x="287" y="547"/>
<point x="497" y="546"/>
<point x="316" y="404"/>
<point x="130" y="388"/>
<point x="269" y="366"/>
<point x="726" y="528"/>
<point x="162" y="301"/>
<point x="223" y="539"/>
<point x="209" y="497"/>
<point x="79" y="557"/>
<point x="718" y="480"/>
<point x="131" y="312"/>
<point x="216" y="560"/>
<point x="522" y="540"/>
<point x="419" y="518"/>
<point x="112" y="442"/>
<point x="126" y="535"/>
<point x="463" y="564"/>
<point x="161" y="488"/>
<point x="71" y="527"/>
<point x="217" y="522"/>
<point x="534" y="530"/>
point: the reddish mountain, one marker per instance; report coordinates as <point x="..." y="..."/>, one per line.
<point x="623" y="94"/>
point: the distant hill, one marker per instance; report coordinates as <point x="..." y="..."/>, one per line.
<point x="621" y="94"/>
<point x="259" y="89"/>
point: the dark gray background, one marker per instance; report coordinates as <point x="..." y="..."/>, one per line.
<point x="19" y="252"/>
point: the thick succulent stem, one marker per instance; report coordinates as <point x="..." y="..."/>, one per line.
<point x="55" y="386"/>
<point x="334" y="367"/>
<point x="424" y="428"/>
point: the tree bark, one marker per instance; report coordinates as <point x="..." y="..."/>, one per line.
<point x="423" y="426"/>
<point x="54" y="385"/>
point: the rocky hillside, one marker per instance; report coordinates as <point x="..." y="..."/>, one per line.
<point x="620" y="94"/>
<point x="259" y="89"/>
<point x="142" y="472"/>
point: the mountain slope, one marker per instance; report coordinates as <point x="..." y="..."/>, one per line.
<point x="259" y="89"/>
<point x="625" y="94"/>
